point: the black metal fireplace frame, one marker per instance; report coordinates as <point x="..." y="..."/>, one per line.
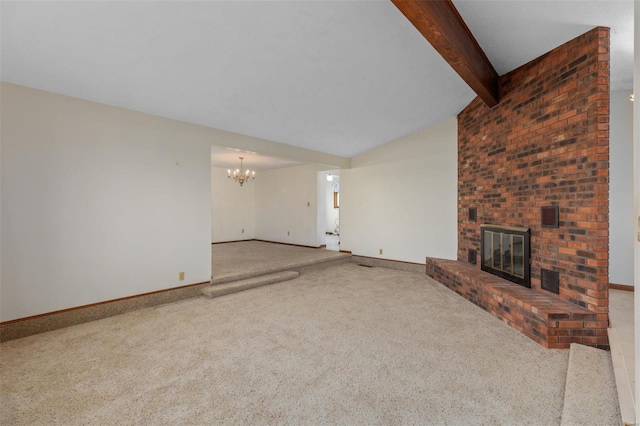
<point x="525" y="280"/>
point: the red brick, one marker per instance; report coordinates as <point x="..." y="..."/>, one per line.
<point x="550" y="147"/>
<point x="570" y="324"/>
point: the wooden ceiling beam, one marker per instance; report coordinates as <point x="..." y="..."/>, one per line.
<point x="441" y="24"/>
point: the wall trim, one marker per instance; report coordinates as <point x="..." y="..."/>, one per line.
<point x="624" y="287"/>
<point x="273" y="242"/>
<point x="232" y="241"/>
<point x="289" y="244"/>
<point x="49" y="321"/>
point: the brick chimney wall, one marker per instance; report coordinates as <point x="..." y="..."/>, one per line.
<point x="545" y="144"/>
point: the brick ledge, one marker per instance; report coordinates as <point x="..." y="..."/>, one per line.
<point x="545" y="319"/>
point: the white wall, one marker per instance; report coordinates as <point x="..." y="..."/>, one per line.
<point x="286" y="205"/>
<point x="402" y="198"/>
<point x="636" y="192"/>
<point x="332" y="214"/>
<point x="280" y="199"/>
<point x="98" y="202"/>
<point x="621" y="215"/>
<point x="232" y="208"/>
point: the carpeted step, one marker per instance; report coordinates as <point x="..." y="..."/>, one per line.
<point x="302" y="267"/>
<point x="622" y="375"/>
<point x="217" y="290"/>
<point x="590" y="396"/>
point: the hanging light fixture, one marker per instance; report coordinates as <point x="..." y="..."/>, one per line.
<point x="241" y="176"/>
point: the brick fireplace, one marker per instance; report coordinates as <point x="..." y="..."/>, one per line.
<point x="504" y="252"/>
<point x="546" y="144"/>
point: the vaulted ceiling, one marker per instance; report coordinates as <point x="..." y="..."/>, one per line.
<point x="336" y="77"/>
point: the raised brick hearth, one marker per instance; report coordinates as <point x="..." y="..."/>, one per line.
<point x="545" y="144"/>
<point x="549" y="321"/>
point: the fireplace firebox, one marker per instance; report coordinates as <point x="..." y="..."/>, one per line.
<point x="505" y="252"/>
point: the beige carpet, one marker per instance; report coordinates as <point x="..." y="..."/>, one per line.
<point x="348" y="345"/>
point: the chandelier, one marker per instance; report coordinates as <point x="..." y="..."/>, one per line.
<point x="241" y="176"/>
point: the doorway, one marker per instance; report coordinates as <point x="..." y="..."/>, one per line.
<point x="330" y="181"/>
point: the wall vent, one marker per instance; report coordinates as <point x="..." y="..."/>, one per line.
<point x="473" y="214"/>
<point x="550" y="217"/>
<point x="471" y="256"/>
<point x="550" y="280"/>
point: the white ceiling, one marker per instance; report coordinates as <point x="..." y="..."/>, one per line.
<point x="228" y="158"/>
<point x="514" y="32"/>
<point x="336" y="77"/>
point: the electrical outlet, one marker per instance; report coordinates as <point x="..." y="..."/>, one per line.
<point x="243" y="230"/>
<point x="288" y="233"/>
<point x="308" y="203"/>
<point x="380" y="251"/>
<point x="180" y="276"/>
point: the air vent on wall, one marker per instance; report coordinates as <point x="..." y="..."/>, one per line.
<point x="550" y="216"/>
<point x="471" y="256"/>
<point x="473" y="214"/>
<point x="550" y="280"/>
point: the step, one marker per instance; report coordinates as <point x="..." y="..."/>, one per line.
<point x="216" y="290"/>
<point x="590" y="396"/>
<point x="302" y="267"/>
<point x="623" y="384"/>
